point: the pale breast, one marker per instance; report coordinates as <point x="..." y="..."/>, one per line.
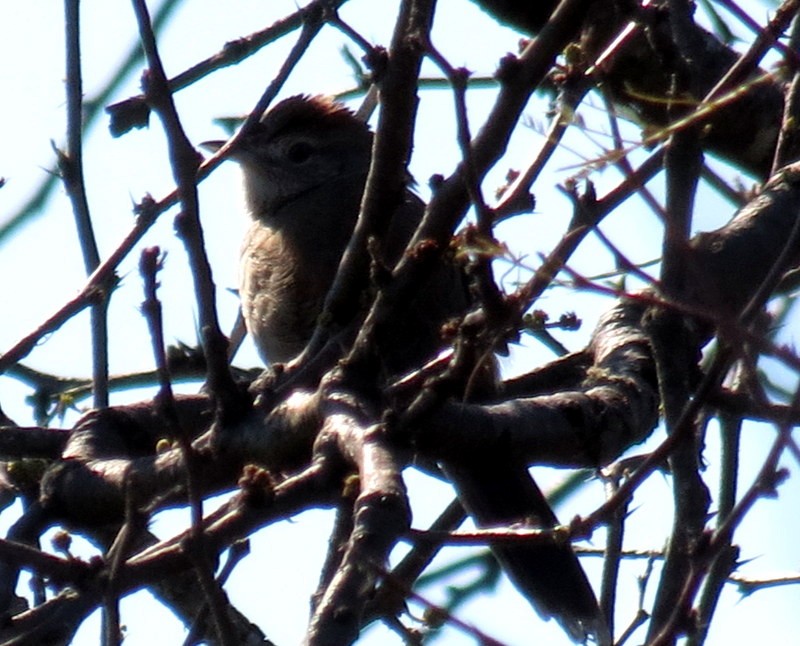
<point x="279" y="305"/>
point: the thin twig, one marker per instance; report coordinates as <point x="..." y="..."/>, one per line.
<point x="765" y="483"/>
<point x="93" y="108"/>
<point x="147" y="213"/>
<point x="517" y="197"/>
<point x="185" y="162"/>
<point x="71" y="165"/>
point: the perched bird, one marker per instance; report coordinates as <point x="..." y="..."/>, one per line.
<point x="304" y="167"/>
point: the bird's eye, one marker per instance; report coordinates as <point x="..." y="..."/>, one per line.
<point x="299" y="152"/>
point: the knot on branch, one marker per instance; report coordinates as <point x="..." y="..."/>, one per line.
<point x="127" y="115"/>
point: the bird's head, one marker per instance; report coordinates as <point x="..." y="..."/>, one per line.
<point x="297" y="146"/>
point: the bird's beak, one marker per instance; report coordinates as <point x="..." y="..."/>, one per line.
<point x="212" y="146"/>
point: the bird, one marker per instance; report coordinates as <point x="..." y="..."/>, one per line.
<point x="304" y="167"/>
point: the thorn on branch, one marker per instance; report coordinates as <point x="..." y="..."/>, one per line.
<point x="375" y="57"/>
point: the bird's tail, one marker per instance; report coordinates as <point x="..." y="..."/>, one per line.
<point x="497" y="493"/>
